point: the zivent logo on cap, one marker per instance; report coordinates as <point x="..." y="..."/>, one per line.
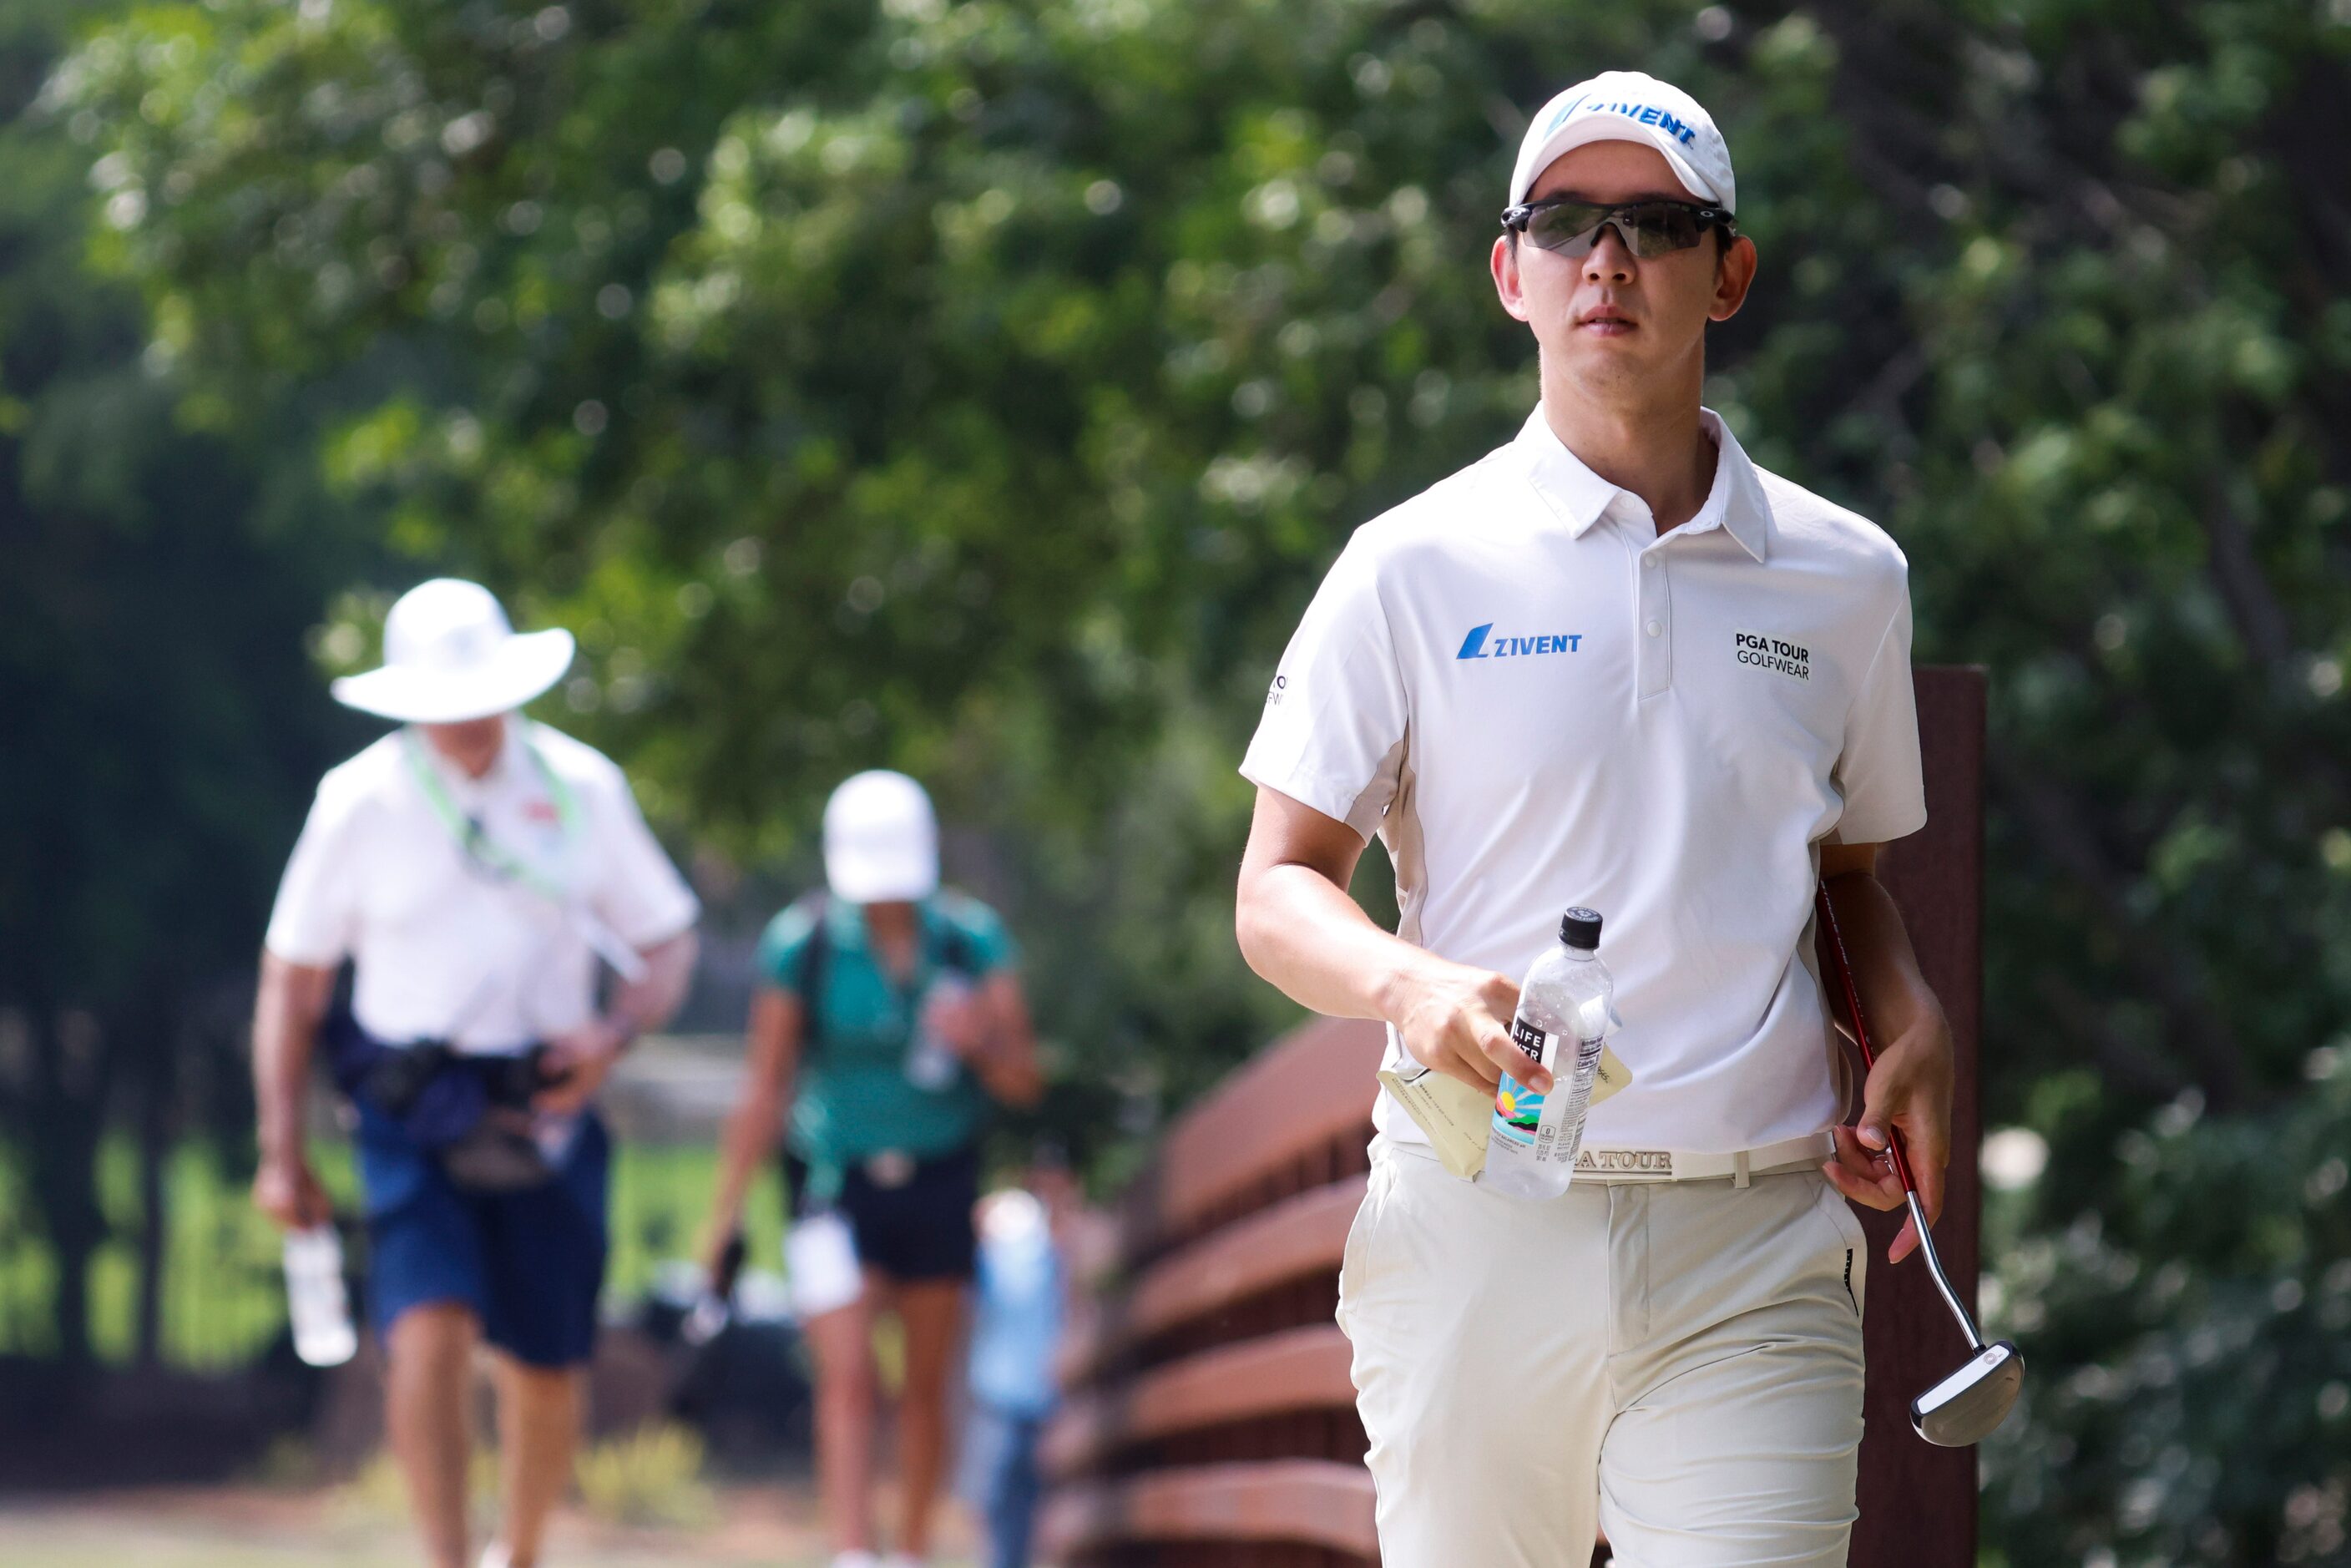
<point x="1644" y="113"/>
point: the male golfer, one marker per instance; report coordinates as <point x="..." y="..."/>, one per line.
<point x="474" y="867"/>
<point x="1612" y="664"/>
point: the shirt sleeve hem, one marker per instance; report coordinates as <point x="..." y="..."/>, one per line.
<point x="1872" y="831"/>
<point x="1334" y="800"/>
<point x="321" y="957"/>
<point x="671" y="922"/>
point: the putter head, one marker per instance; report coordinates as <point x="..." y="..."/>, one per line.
<point x="1965" y="1407"/>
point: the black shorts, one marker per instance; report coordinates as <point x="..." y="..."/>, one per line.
<point x="919" y="1231"/>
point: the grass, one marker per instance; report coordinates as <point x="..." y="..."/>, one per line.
<point x="651" y="1478"/>
<point x="223" y="1297"/>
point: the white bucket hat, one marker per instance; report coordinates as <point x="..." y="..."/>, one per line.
<point x="450" y="655"/>
<point x="1630" y="106"/>
<point x="881" y="841"/>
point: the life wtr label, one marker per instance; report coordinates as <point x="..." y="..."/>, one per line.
<point x="1517" y="1110"/>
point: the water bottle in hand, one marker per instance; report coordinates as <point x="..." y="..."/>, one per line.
<point x="1562" y="1022"/>
<point x="316" y="1301"/>
<point x="931" y="1063"/>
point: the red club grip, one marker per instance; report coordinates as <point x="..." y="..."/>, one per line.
<point x="1853" y="1010"/>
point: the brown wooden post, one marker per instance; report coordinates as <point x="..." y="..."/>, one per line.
<point x="1918" y="1501"/>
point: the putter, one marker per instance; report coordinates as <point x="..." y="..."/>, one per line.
<point x="1965" y="1407"/>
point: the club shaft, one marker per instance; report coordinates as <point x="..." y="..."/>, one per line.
<point x="1942" y="1281"/>
<point x="1860" y="1028"/>
<point x="1894" y="1137"/>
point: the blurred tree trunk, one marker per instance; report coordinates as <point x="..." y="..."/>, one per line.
<point x="62" y="1137"/>
<point x="155" y="1130"/>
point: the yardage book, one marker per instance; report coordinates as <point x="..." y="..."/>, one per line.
<point x="1458" y="1118"/>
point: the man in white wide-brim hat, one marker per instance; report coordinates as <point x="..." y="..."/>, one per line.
<point x="474" y="867"/>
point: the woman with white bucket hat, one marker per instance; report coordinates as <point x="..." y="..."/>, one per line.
<point x="890" y="1023"/>
<point x="474" y="867"/>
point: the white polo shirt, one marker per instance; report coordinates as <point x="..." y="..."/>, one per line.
<point x="1536" y="702"/>
<point x="440" y="944"/>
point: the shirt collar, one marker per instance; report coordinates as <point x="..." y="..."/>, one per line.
<point x="1736" y="502"/>
<point x="513" y="762"/>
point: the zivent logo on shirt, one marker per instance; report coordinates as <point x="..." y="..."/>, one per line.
<point x="1483" y="644"/>
<point x="1761" y="651"/>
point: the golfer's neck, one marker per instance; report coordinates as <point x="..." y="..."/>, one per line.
<point x="1645" y="439"/>
<point x="470" y="748"/>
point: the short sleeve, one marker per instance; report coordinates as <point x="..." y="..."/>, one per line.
<point x="315" y="921"/>
<point x="986" y="936"/>
<point x="778" y="958"/>
<point x="640" y="894"/>
<point x="1332" y="735"/>
<point x="1879" y="773"/>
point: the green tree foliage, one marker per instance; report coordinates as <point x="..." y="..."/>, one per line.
<point x="159" y="729"/>
<point x="981" y="387"/>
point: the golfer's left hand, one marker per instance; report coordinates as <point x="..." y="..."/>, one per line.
<point x="1909" y="1091"/>
<point x="959" y="1016"/>
<point x="577" y="1063"/>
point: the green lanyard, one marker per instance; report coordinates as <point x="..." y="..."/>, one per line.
<point x="475" y="841"/>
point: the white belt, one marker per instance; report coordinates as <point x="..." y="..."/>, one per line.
<point x="1612" y="1166"/>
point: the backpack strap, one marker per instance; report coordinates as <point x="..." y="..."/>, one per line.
<point x="957" y="953"/>
<point x="807" y="978"/>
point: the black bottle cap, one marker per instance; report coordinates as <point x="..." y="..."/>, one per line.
<point x="1579" y="927"/>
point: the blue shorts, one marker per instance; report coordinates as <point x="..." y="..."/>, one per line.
<point x="530" y="1264"/>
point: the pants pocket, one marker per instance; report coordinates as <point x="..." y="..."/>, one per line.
<point x="1359" y="1238"/>
<point x="1852" y="1239"/>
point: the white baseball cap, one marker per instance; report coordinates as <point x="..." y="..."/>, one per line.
<point x="1630" y="106"/>
<point x="450" y="655"/>
<point x="881" y="840"/>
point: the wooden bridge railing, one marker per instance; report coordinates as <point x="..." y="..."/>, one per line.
<point x="1211" y="1422"/>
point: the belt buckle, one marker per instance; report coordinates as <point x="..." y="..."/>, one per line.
<point x="890" y="1169"/>
<point x="1626" y="1165"/>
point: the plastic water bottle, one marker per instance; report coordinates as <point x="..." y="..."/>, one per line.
<point x="316" y="1301"/>
<point x="1562" y="1022"/>
<point x="931" y="1065"/>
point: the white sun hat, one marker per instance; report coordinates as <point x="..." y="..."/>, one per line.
<point x="1630" y="106"/>
<point x="450" y="655"/>
<point x="881" y="841"/>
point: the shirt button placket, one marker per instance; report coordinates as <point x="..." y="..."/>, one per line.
<point x="1655" y="662"/>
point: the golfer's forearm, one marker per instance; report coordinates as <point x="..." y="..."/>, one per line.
<point x="291" y="1000"/>
<point x="1300" y="931"/>
<point x="771" y="1060"/>
<point x="1008" y="1065"/>
<point x="1894" y="996"/>
<point x="645" y="1004"/>
<point x="750" y="1132"/>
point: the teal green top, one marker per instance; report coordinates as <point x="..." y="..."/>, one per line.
<point x="853" y="1099"/>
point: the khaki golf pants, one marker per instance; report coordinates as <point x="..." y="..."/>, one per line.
<point x="1677" y="1363"/>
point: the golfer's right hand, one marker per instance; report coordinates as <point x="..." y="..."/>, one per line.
<point x="287" y="1191"/>
<point x="1456" y="1019"/>
<point x="722" y="1230"/>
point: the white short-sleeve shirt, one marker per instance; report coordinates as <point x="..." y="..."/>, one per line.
<point x="443" y="948"/>
<point x="1536" y="701"/>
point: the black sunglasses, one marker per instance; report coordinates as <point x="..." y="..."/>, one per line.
<point x="1653" y="228"/>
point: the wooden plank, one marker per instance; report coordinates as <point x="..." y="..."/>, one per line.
<point x="1311" y="1088"/>
<point x="1296" y="1369"/>
<point x="1295" y="1238"/>
<point x="1315" y="1503"/>
<point x="1917" y="1501"/>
